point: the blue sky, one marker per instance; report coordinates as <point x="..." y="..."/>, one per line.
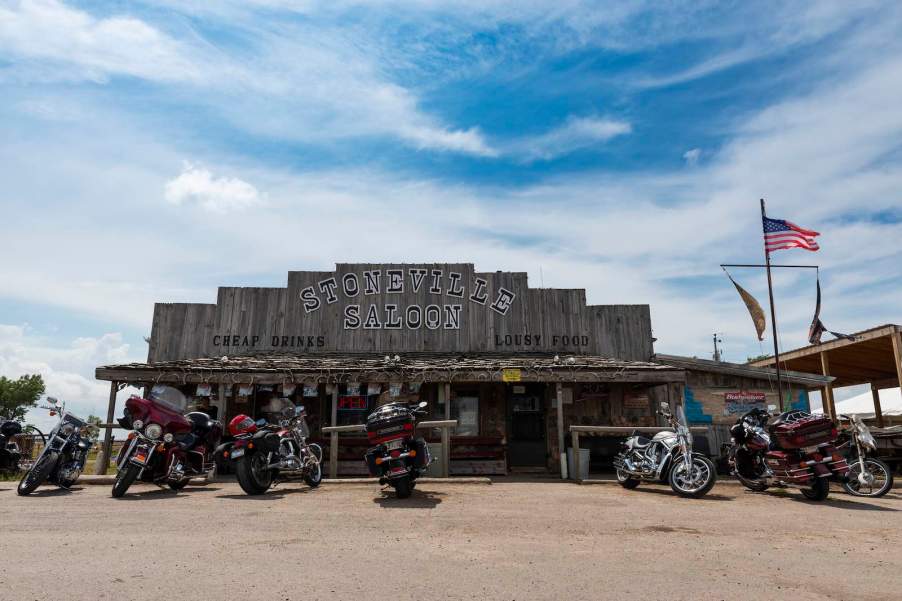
<point x="152" y="151"/>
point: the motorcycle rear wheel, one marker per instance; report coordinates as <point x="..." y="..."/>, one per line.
<point x="881" y="472"/>
<point x="627" y="481"/>
<point x="37" y="474"/>
<point x="817" y="491"/>
<point x="124" y="479"/>
<point x="702" y="475"/>
<point x="253" y="478"/>
<point x="403" y="487"/>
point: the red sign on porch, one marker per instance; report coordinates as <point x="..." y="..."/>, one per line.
<point x="354" y="402"/>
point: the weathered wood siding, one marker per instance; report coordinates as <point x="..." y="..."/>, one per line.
<point x="249" y="320"/>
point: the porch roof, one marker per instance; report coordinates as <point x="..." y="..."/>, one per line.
<point x="379" y="367"/>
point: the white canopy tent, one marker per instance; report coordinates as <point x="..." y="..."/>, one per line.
<point x="863" y="404"/>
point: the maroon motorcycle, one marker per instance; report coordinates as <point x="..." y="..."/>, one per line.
<point x="794" y="449"/>
<point x="166" y="446"/>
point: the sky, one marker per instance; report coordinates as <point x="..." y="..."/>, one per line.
<point x="152" y="151"/>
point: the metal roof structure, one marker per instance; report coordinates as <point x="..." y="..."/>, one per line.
<point x="811" y="380"/>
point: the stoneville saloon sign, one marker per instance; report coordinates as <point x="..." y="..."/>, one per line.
<point x="359" y="311"/>
<point x="425" y="307"/>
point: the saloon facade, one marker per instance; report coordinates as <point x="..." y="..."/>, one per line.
<point x="514" y="365"/>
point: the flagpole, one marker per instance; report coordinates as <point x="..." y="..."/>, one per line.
<point x="773" y="312"/>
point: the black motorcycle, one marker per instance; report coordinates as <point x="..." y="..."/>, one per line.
<point x="397" y="458"/>
<point x="63" y="457"/>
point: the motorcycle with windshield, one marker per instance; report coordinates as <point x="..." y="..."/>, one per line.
<point x="63" y="457"/>
<point x="397" y="458"/>
<point x="666" y="457"/>
<point x="265" y="454"/>
<point x="794" y="449"/>
<point x="868" y="476"/>
<point x="166" y="446"/>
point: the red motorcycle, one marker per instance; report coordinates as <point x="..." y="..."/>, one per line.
<point x="793" y="449"/>
<point x="166" y="445"/>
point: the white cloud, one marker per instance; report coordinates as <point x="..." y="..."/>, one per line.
<point x="67" y="369"/>
<point x="196" y="185"/>
<point x="574" y="134"/>
<point x="691" y="156"/>
<point x="48" y="30"/>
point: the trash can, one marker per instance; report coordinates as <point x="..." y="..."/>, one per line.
<point x="583" y="464"/>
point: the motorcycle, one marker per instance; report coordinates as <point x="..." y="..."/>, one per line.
<point x="264" y="454"/>
<point x="666" y="457"/>
<point x="794" y="449"/>
<point x="10" y="453"/>
<point x="165" y="445"/>
<point x="397" y="458"/>
<point x="63" y="457"/>
<point x="868" y="476"/>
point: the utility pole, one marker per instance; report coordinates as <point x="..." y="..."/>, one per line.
<point x="717" y="355"/>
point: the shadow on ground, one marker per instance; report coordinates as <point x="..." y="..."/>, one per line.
<point x="417" y="500"/>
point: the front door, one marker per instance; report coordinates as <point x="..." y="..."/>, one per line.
<point x="526" y="425"/>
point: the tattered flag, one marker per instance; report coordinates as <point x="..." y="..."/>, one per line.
<point x="754" y="308"/>
<point x="817" y="328"/>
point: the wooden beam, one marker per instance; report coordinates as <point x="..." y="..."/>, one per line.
<point x="897" y="355"/>
<point x="827" y="401"/>
<point x="560" y="430"/>
<point x="878" y="411"/>
<point x="333" y="442"/>
<point x="827" y="346"/>
<point x="102" y="463"/>
<point x="446" y="388"/>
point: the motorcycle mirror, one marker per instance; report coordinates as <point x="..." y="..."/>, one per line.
<point x="664" y="406"/>
<point x="298" y="410"/>
<point x="422" y="404"/>
<point x="53" y="400"/>
<point x="771" y="408"/>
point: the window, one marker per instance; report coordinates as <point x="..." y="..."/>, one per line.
<point x="465" y="409"/>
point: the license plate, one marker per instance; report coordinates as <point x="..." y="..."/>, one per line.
<point x="394" y="444"/>
<point x="236" y="453"/>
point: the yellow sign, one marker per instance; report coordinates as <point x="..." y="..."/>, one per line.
<point x="510" y="375"/>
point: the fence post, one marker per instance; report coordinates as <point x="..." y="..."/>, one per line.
<point x="576" y="475"/>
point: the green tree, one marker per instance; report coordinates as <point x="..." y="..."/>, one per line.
<point x="18" y="396"/>
<point x="757" y="358"/>
<point x="93" y="429"/>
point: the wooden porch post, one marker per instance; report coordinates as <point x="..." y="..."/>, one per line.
<point x="878" y="412"/>
<point x="576" y="466"/>
<point x="827" y="401"/>
<point x="446" y="433"/>
<point x="103" y="461"/>
<point x="560" y="430"/>
<point x="333" y="441"/>
<point x="897" y="355"/>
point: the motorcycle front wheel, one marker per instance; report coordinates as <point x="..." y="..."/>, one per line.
<point x="697" y="482"/>
<point x="37" y="474"/>
<point x="818" y="491"/>
<point x="124" y="479"/>
<point x="252" y="474"/>
<point x="878" y="479"/>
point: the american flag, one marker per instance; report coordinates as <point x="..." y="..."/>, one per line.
<point x="780" y="234"/>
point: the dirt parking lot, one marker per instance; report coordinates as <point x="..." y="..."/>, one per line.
<point x="509" y="540"/>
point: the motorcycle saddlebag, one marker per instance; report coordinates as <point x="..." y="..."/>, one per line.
<point x="807" y="431"/>
<point x="421" y="461"/>
<point x="267" y="441"/>
<point x="370" y="459"/>
<point x="786" y="466"/>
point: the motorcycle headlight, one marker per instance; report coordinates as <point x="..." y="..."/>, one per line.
<point x="137" y="424"/>
<point x="67" y="429"/>
<point x="153" y="431"/>
<point x="168" y="438"/>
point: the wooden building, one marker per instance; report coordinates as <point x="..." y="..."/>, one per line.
<point x="516" y="366"/>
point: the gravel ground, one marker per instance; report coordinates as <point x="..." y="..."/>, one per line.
<point x="508" y="540"/>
